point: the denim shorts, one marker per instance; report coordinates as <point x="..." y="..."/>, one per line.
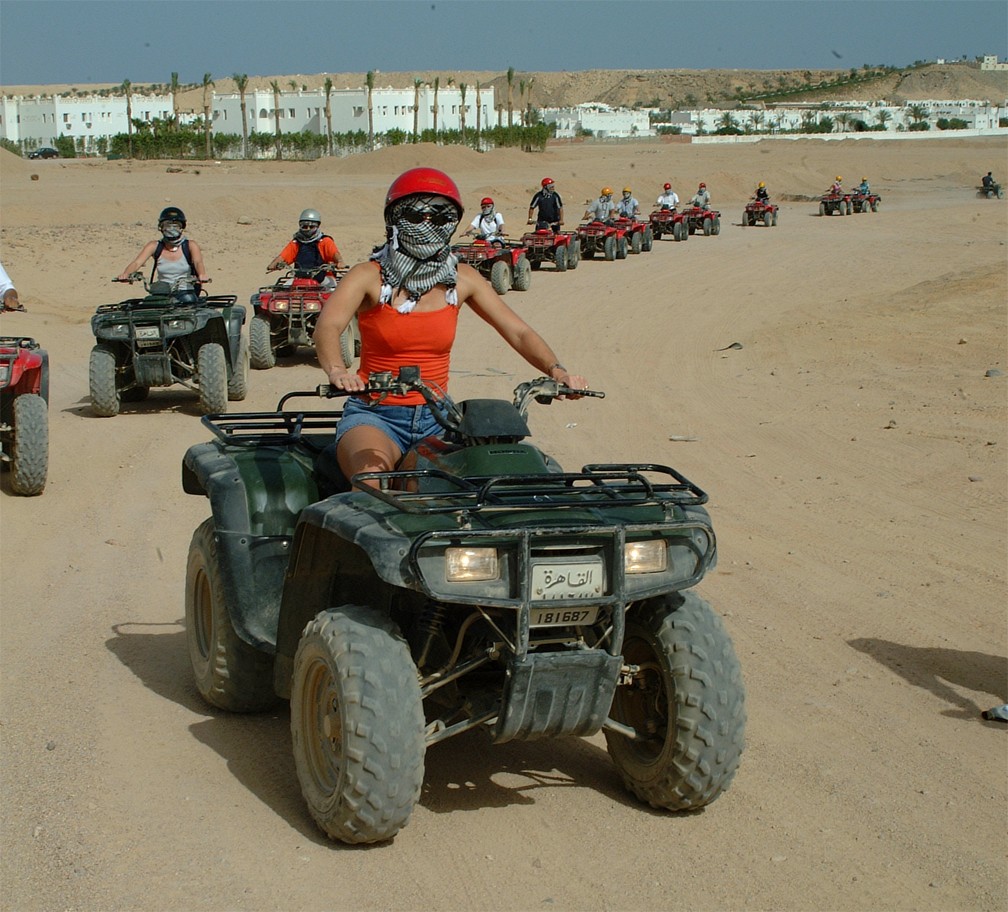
<point x="406" y="425"/>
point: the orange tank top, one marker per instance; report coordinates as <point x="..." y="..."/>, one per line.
<point x="390" y="340"/>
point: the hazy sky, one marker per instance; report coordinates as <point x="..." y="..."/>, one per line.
<point x="91" y="41"/>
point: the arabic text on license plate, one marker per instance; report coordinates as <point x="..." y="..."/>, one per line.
<point x="147" y="332"/>
<point x="566" y="581"/>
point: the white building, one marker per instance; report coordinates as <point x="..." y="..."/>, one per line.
<point x="38" y="121"/>
<point x="990" y="62"/>
<point x="600" y="119"/>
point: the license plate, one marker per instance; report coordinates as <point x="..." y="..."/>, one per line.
<point x="147" y="332"/>
<point x="559" y="616"/>
<point x="568" y="580"/>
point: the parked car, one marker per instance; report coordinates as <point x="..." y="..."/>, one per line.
<point x="45" y="152"/>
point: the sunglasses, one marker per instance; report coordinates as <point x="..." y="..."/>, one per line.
<point x="442" y="215"/>
<point x="307" y="226"/>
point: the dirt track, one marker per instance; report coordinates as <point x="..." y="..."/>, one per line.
<point x="857" y="459"/>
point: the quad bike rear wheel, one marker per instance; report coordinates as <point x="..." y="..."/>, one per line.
<point x="573" y="254"/>
<point x="230" y="674"/>
<point x="637" y="242"/>
<point x="687" y="704"/>
<point x="261" y="354"/>
<point x="768" y="218"/>
<point x="622" y="247"/>
<point x="522" y="274"/>
<point x="500" y="277"/>
<point x="105" y="395"/>
<point x="30" y="456"/>
<point x="609" y="247"/>
<point x="560" y="258"/>
<point x="715" y="228"/>
<point x="211" y="375"/>
<point x="357" y="725"/>
<point x="238" y="384"/>
<point x="648" y="241"/>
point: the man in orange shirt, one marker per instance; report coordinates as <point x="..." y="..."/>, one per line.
<point x="309" y="248"/>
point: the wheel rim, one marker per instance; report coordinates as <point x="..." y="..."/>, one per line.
<point x="322" y="727"/>
<point x="203" y="605"/>
<point x="644" y="705"/>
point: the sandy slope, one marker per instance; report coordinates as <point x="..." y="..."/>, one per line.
<point x="854" y="450"/>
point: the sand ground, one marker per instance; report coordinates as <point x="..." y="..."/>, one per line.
<point x="855" y="448"/>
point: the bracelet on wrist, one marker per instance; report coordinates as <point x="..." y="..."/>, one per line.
<point x="556" y="365"/>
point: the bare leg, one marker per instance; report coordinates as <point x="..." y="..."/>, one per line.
<point x="366" y="449"/>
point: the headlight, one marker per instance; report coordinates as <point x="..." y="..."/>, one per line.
<point x="280" y="306"/>
<point x="310" y="306"/>
<point x="645" y="556"/>
<point x="4" y="374"/>
<point x="468" y="564"/>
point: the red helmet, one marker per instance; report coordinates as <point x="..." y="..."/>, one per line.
<point x="668" y="186"/>
<point x="427" y="181"/>
<point x="486" y="201"/>
<point x="703" y="186"/>
<point x="547" y="181"/>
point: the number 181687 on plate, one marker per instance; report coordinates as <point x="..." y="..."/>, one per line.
<point x="563" y="582"/>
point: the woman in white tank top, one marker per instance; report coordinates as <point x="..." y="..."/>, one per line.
<point x="170" y="250"/>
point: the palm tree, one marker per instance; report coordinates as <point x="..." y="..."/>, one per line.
<point x="478" y="109"/>
<point x="462" y="110"/>
<point x="416" y="106"/>
<point x="127" y="88"/>
<point x="328" y="112"/>
<point x="521" y="102"/>
<point x="500" y="114"/>
<point x="510" y="101"/>
<point x="842" y="119"/>
<point x="882" y="118"/>
<point x="207" y="83"/>
<point x="276" y="114"/>
<point x="528" y="100"/>
<point x="437" y="85"/>
<point x="293" y="84"/>
<point x="241" y="82"/>
<point x="369" y="80"/>
<point x="174" y="99"/>
<point x="727" y="122"/>
<point x="917" y="113"/>
<point x="755" y="120"/>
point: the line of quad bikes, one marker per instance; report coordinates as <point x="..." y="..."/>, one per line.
<point x="477" y="586"/>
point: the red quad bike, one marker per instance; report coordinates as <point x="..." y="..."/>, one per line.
<point x="604" y="238"/>
<point x="707" y="221"/>
<point x="541" y="246"/>
<point x="835" y="203"/>
<point x="760" y="211"/>
<point x="640" y="233"/>
<point x="670" y="222"/>
<point x="865" y="202"/>
<point x="286" y="313"/>
<point x="505" y="267"/>
<point x="24" y="413"/>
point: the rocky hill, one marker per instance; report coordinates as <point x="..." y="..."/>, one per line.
<point x="646" y="88"/>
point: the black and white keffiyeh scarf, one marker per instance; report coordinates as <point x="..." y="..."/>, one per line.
<point x="416" y="256"/>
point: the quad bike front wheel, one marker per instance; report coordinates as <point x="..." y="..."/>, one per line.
<point x="622" y="247"/>
<point x="30" y="456"/>
<point x="609" y="247"/>
<point x="637" y="242"/>
<point x="573" y="255"/>
<point x="686" y="702"/>
<point x="211" y="373"/>
<point x="357" y="725"/>
<point x="105" y="395"/>
<point x="261" y="354"/>
<point x="522" y="274"/>
<point x="648" y="240"/>
<point x="500" y="277"/>
<point x="715" y="228"/>
<point x="230" y="674"/>
<point x="560" y="258"/>
<point x="237" y="387"/>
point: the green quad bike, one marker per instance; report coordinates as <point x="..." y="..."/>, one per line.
<point x="174" y="334"/>
<point x="477" y="586"/>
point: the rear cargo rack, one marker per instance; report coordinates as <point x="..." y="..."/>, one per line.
<point x="600" y="485"/>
